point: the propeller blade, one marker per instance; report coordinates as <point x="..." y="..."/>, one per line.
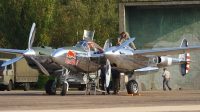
<point x="12" y="61"/>
<point x="124" y="44"/>
<point x="31" y="36"/>
<point x="41" y="67"/>
<point x="108" y="72"/>
<point x="107" y="44"/>
<point x="88" y="35"/>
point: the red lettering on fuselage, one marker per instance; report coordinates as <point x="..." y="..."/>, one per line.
<point x="71" y="58"/>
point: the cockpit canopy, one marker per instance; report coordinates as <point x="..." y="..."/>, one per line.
<point x="83" y="44"/>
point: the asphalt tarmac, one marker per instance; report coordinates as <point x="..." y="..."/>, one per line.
<point x="77" y="101"/>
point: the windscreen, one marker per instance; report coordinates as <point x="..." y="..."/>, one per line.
<point x="83" y="44"/>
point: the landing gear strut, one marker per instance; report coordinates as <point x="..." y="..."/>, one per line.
<point x="51" y="84"/>
<point x="63" y="80"/>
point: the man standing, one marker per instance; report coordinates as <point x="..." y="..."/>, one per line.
<point x="103" y="78"/>
<point x="123" y="37"/>
<point x="166" y="79"/>
<point x="115" y="80"/>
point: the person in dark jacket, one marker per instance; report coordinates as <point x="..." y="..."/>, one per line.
<point x="103" y="79"/>
<point x="115" y="80"/>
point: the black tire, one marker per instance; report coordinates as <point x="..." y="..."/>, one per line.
<point x="63" y="89"/>
<point x="49" y="89"/>
<point x="26" y="86"/>
<point x="132" y="87"/>
<point x="9" y="86"/>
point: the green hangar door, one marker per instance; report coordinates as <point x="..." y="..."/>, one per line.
<point x="151" y="24"/>
<point x="160" y="26"/>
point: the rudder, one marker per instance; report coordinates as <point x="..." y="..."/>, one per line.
<point x="185" y="59"/>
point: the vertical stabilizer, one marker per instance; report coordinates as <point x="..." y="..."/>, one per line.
<point x="185" y="58"/>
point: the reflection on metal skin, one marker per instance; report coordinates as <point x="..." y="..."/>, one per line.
<point x="147" y="70"/>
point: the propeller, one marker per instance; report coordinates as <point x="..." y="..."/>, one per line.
<point x="29" y="52"/>
<point x="11" y="61"/>
<point x="41" y="67"/>
<point x="107" y="44"/>
<point x="124" y="44"/>
<point x="108" y="72"/>
<point x="31" y="36"/>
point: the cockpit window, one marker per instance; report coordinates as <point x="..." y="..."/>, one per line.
<point x="83" y="44"/>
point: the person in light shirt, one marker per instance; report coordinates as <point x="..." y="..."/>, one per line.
<point x="123" y="37"/>
<point x="166" y="79"/>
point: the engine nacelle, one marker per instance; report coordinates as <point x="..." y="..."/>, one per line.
<point x="165" y="61"/>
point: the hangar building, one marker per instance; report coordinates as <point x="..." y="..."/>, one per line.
<point x="164" y="24"/>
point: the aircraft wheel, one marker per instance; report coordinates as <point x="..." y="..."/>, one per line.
<point x="9" y="86"/>
<point x="50" y="88"/>
<point x="132" y="87"/>
<point x="63" y="89"/>
<point x="26" y="86"/>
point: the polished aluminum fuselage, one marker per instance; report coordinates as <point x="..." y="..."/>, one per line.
<point x="126" y="60"/>
<point x="76" y="59"/>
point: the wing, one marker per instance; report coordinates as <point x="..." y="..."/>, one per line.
<point x="168" y="51"/>
<point x="124" y="44"/>
<point x="11" y="51"/>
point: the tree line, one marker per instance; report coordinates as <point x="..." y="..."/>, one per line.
<point x="58" y="22"/>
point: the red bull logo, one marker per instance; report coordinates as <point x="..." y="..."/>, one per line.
<point x="70" y="54"/>
<point x="71" y="58"/>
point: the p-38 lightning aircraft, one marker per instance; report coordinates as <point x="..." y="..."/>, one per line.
<point x="141" y="62"/>
<point x="80" y="59"/>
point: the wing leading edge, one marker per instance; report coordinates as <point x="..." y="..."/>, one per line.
<point x="168" y="51"/>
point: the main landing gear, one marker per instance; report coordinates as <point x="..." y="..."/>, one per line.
<point x="132" y="85"/>
<point x="51" y="84"/>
